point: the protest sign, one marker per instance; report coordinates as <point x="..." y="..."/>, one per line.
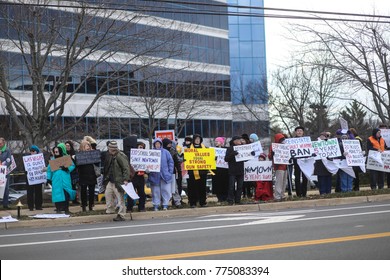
<point x="143" y="160"/>
<point x="220" y="155"/>
<point x="378" y="161"/>
<point x="300" y="147"/>
<point x="326" y="148"/>
<point x="385" y="133"/>
<point x="244" y="152"/>
<point x="344" y="125"/>
<point x="354" y="155"/>
<point x="199" y="159"/>
<point x="129" y="189"/>
<point x="281" y="153"/>
<point x="12" y="166"/>
<point x="170" y="134"/>
<point x="34" y="165"/>
<point x="255" y="170"/>
<point x="3" y="179"/>
<point x="65" y="161"/>
<point x="257" y="148"/>
<point x="88" y="157"/>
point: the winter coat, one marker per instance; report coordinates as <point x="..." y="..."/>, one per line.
<point x="235" y="168"/>
<point x="279" y="137"/>
<point x="166" y="167"/>
<point x="121" y="169"/>
<point x="61" y="181"/>
<point x="87" y="175"/>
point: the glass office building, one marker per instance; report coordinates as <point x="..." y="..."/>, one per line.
<point x="213" y="59"/>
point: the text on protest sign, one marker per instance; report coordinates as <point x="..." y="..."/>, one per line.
<point x="56" y="164"/>
<point x="300" y="147"/>
<point x="169" y="134"/>
<point x="383" y="164"/>
<point x="354" y="155"/>
<point x="12" y="166"/>
<point x="3" y="179"/>
<point x="34" y="165"/>
<point x="257" y="170"/>
<point x="88" y="157"/>
<point x="244" y="152"/>
<point x="199" y="159"/>
<point x="326" y="148"/>
<point x="385" y="133"/>
<point x="281" y="153"/>
<point x="143" y="160"/>
<point x="257" y="148"/>
<point x="220" y="155"/>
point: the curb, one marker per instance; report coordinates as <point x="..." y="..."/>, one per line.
<point x="93" y="219"/>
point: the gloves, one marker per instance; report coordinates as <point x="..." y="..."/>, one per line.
<point x="253" y="153"/>
<point x="235" y="153"/>
<point x="314" y="155"/>
<point x="63" y="168"/>
<point x="48" y="182"/>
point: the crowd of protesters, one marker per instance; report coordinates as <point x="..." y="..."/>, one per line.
<point x="75" y="183"/>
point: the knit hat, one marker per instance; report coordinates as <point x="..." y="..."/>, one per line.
<point x="299" y="127"/>
<point x="166" y="142"/>
<point x="113" y="145"/>
<point x="220" y="139"/>
<point x="254" y="137"/>
<point x="34" y="148"/>
<point x="262" y="155"/>
<point x="188" y="138"/>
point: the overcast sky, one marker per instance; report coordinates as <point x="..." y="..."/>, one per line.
<point x="277" y="48"/>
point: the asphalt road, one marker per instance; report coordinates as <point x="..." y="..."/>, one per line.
<point x="348" y="232"/>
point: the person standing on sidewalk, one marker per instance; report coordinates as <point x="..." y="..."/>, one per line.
<point x="300" y="186"/>
<point x="34" y="192"/>
<point x="116" y="173"/>
<point x="5" y="159"/>
<point x="376" y="143"/>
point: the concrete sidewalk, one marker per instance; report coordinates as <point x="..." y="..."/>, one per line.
<point x="97" y="216"/>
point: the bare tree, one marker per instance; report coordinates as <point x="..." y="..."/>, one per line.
<point x="72" y="49"/>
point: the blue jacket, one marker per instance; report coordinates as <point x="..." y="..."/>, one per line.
<point x="166" y="167"/>
<point x="61" y="181"/>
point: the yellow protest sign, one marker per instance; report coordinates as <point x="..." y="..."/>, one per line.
<point x="199" y="159"/>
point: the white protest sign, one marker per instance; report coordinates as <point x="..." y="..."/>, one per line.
<point x="244" y="152"/>
<point x="257" y="148"/>
<point x="300" y="147"/>
<point x="354" y="155"/>
<point x="256" y="170"/>
<point x="307" y="166"/>
<point x="385" y="133"/>
<point x="281" y="153"/>
<point x="326" y="148"/>
<point x="12" y="166"/>
<point x="344" y="125"/>
<point x="3" y="179"/>
<point x="382" y="164"/>
<point x="220" y="155"/>
<point x="129" y="189"/>
<point x="143" y="160"/>
<point x="34" y="165"/>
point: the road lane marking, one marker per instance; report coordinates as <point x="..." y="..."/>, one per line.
<point x="264" y="247"/>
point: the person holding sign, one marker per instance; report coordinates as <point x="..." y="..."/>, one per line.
<point x="236" y="172"/>
<point x="264" y="189"/>
<point x="300" y="186"/>
<point x="220" y="180"/>
<point x="61" y="183"/>
<point x="323" y="174"/>
<point x="160" y="182"/>
<point x="34" y="192"/>
<point x="376" y="143"/>
<point x="5" y="159"/>
<point x="280" y="171"/>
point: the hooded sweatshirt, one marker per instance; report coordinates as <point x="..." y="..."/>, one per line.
<point x="166" y="167"/>
<point x="279" y="138"/>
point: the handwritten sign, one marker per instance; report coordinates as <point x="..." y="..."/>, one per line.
<point x="199" y="159"/>
<point x="281" y="153"/>
<point x="34" y="165"/>
<point x="143" y="160"/>
<point x="378" y="161"/>
<point x="257" y="148"/>
<point x="3" y="179"/>
<point x="344" y="125"/>
<point x="300" y="147"/>
<point x="385" y="133"/>
<point x="65" y="161"/>
<point x="220" y="155"/>
<point x="12" y="166"/>
<point x="244" y="152"/>
<point x="88" y="157"/>
<point x="355" y="156"/>
<point x="257" y="170"/>
<point x="170" y="134"/>
<point x="326" y="149"/>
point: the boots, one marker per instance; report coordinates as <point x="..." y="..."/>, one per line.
<point x="84" y="208"/>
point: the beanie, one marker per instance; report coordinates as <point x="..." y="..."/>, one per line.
<point x="34" y="148"/>
<point x="254" y="137"/>
<point x="113" y="145"/>
<point x="220" y="139"/>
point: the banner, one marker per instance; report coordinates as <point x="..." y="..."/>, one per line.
<point x="34" y="165"/>
<point x="355" y="155"/>
<point x="244" y="152"/>
<point x="88" y="157"/>
<point x="65" y="161"/>
<point x="326" y="148"/>
<point x="385" y="133"/>
<point x="199" y="159"/>
<point x="143" y="160"/>
<point x="281" y="153"/>
<point x="255" y="170"/>
<point x="220" y="155"/>
<point x="307" y="166"/>
<point x="378" y="161"/>
<point x="300" y="147"/>
<point x="3" y="179"/>
<point x="170" y="134"/>
<point x="342" y="164"/>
